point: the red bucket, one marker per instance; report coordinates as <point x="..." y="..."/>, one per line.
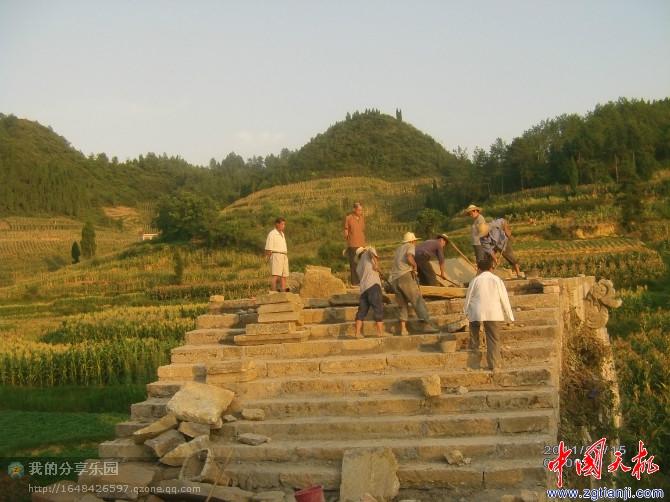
<point x="311" y="494"/>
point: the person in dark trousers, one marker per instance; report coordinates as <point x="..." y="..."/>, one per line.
<point x="371" y="290"/>
<point x="354" y="233"/>
<point x="432" y="248"/>
<point x="475" y="212"/>
<point x="487" y="303"/>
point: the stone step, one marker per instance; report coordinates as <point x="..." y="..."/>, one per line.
<point x="125" y="449"/>
<point x="403" y="404"/>
<point x="438" y="307"/>
<point x="363" y="405"/>
<point x="479" y="379"/>
<point x="212" y="335"/>
<point x="513" y="330"/>
<point x="192" y="354"/>
<point x="512" y="356"/>
<point x="414" y="449"/>
<point x="386" y="427"/>
<point x="477" y="476"/>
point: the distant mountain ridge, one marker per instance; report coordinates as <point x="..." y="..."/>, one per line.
<point x="42" y="174"/>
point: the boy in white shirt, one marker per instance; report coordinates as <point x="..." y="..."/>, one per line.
<point x="277" y="253"/>
<point x="487" y="302"/>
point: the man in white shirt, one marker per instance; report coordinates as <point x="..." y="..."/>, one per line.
<point x="487" y="303"/>
<point x="276" y="251"/>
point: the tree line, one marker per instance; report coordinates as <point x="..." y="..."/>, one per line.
<point x="41" y="173"/>
<point x="621" y="142"/>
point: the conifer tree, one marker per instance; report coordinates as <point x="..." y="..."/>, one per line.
<point x="88" y="245"/>
<point x="75" y="252"/>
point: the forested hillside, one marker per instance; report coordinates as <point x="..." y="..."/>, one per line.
<point x="621" y="142"/>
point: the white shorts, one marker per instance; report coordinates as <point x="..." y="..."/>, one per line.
<point x="279" y="264"/>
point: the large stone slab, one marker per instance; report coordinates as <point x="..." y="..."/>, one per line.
<point x="129" y="478"/>
<point x="179" y="455"/>
<point x="345" y="299"/>
<point x="319" y="282"/>
<point x="166" y="442"/>
<point x="278" y="298"/>
<point x="209" y="321"/>
<point x="182" y="371"/>
<point x="369" y="471"/>
<point x="199" y="402"/>
<point x="272" y="308"/>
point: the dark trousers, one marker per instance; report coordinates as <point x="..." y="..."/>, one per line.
<point x="508" y="254"/>
<point x="427" y="275"/>
<point x="492" y="330"/>
<point x="351" y="254"/>
<point x="479" y="252"/>
<point x="371" y="297"/>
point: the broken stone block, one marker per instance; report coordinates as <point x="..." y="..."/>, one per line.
<point x="253" y="414"/>
<point x="319" y="282"/>
<point x="202" y="467"/>
<point x="193" y="429"/>
<point x="166" y="442"/>
<point x="157" y="428"/>
<point x="252" y="439"/>
<point x="369" y="471"/>
<point x="431" y="385"/>
<point x="454" y="457"/>
<point x="229" y="418"/>
<point x="462" y="390"/>
<point x="179" y="455"/>
<point x="199" y="402"/>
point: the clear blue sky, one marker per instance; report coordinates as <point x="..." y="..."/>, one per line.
<point x="203" y="78"/>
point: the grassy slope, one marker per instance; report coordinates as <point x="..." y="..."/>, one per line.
<point x="546" y="223"/>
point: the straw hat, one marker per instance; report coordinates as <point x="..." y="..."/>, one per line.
<point x="471" y="208"/>
<point x="361" y="250"/>
<point x="409" y="237"/>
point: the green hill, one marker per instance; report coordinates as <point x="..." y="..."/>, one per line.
<point x="372" y="144"/>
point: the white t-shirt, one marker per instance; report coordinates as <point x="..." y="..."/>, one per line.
<point x="487" y="299"/>
<point x="276" y="242"/>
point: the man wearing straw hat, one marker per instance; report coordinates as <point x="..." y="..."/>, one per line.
<point x="478" y="220"/>
<point x="403" y="280"/>
<point x="371" y="290"/>
<point x="432" y="248"/>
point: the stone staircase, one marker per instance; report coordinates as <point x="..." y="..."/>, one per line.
<point x="330" y="393"/>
